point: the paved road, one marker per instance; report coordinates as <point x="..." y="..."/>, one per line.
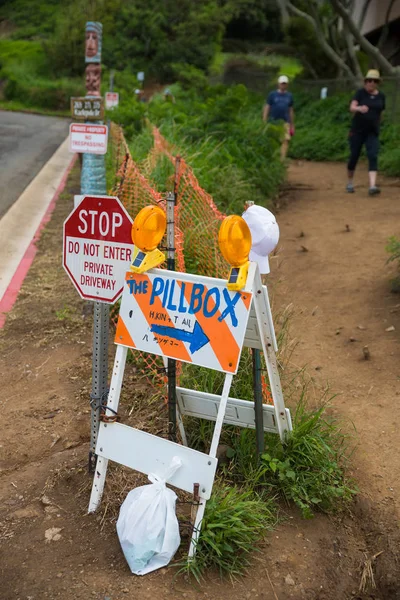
<point x="26" y="144"/>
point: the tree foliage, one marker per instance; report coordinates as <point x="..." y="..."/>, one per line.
<point x="149" y="35"/>
<point x="331" y="25"/>
<point x="156" y="34"/>
<point x="142" y="35"/>
<point x="254" y="20"/>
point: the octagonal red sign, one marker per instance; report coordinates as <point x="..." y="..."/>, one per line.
<point x="98" y="247"/>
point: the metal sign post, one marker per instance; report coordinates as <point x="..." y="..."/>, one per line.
<point x="98" y="396"/>
<point x="93" y="181"/>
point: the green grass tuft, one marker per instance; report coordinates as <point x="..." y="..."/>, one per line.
<point x="310" y="469"/>
<point x="235" y="521"/>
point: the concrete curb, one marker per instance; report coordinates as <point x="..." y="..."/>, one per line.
<point x="20" y="257"/>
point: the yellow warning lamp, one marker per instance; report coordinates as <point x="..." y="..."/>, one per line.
<point x="234" y="240"/>
<point x="147" y="232"/>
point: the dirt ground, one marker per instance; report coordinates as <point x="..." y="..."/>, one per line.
<point x="331" y="268"/>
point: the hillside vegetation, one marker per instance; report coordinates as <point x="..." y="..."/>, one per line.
<point x="321" y="133"/>
<point x="220" y="128"/>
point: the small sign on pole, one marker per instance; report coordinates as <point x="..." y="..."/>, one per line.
<point x="90" y="139"/>
<point x="112" y="100"/>
<point x="98" y="248"/>
<point x="140" y="76"/>
<point x="87" y="109"/>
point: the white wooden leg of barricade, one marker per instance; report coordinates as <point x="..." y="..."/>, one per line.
<point x="264" y="319"/>
<point x="112" y="403"/>
<point x="213" y="452"/>
<point x="221" y="415"/>
<point x="271" y="322"/>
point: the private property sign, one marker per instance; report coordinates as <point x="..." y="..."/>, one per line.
<point x="112" y="99"/>
<point x="98" y="248"/>
<point x="88" y="138"/>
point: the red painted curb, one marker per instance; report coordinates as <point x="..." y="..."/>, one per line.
<point x="11" y="293"/>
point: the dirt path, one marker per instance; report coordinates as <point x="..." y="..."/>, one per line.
<point x="338" y="282"/>
<point x="339" y="290"/>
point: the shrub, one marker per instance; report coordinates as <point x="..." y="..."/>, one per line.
<point x="322" y="132"/>
<point x="15" y="53"/>
<point x="393" y="248"/>
<point x="36" y="92"/>
<point x="309" y="468"/>
<point x="220" y="132"/>
<point x="389" y="159"/>
<point x="23" y="68"/>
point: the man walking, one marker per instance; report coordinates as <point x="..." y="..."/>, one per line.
<point x="279" y="107"/>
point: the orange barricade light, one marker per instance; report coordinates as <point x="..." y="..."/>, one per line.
<point x="147" y="232"/>
<point x="234" y="239"/>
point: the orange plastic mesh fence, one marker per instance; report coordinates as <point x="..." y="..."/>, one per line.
<point x="197" y="218"/>
<point x="135" y="192"/>
<point x="197" y="215"/>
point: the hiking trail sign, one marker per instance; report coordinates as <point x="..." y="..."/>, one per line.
<point x="181" y="316"/>
<point x="97" y="248"/>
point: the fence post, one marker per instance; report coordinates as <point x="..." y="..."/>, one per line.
<point x="171" y="364"/>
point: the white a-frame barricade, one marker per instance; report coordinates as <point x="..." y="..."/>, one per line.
<point x="196" y="320"/>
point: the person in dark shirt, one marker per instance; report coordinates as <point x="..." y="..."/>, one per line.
<point x="279" y="107"/>
<point x="367" y="107"/>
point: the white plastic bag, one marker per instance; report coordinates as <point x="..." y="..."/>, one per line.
<point x="147" y="526"/>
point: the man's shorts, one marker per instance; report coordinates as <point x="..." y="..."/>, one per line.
<point x="287" y="135"/>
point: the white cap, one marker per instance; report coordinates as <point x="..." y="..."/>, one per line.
<point x="264" y="234"/>
<point x="283" y="79"/>
<point x="137" y="91"/>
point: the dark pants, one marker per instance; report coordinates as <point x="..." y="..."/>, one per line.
<point x="371" y="141"/>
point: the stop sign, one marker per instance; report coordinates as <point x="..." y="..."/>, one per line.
<point x="98" y="247"/>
